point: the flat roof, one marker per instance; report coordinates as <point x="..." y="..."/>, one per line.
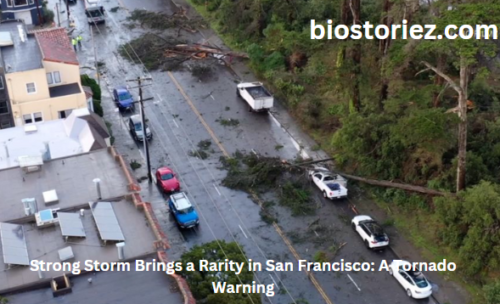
<point x="22" y="56"/>
<point x="65" y="137"/>
<point x="64" y="90"/>
<point x="44" y="244"/>
<point x="71" y="177"/>
<point x="105" y="287"/>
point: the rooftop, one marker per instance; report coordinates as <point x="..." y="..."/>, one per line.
<point x="64" y="137"/>
<point x="105" y="287"/>
<point x="19" y="56"/>
<point x="44" y="243"/>
<point x="71" y="177"/>
<point x="55" y="46"/>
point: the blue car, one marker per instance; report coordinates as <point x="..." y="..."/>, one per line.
<point x="183" y="211"/>
<point x="123" y="99"/>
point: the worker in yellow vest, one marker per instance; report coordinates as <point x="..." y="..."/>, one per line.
<point x="79" y="40"/>
<point x="74" y="42"/>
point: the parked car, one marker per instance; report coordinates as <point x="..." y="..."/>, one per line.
<point x="332" y="185"/>
<point x="183" y="211"/>
<point x="136" y="129"/>
<point x="412" y="280"/>
<point x="258" y="98"/>
<point x="123" y="99"/>
<point x="166" y="178"/>
<point x="370" y="231"/>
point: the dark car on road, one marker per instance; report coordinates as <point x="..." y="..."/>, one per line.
<point x="136" y="129"/>
<point x="123" y="99"/>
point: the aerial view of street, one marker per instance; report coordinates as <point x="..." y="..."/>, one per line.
<point x="223" y="134"/>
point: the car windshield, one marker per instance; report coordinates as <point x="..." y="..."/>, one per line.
<point x="187" y="210"/>
<point x="167" y="176"/>
<point x="94" y="13"/>
<point x="328" y="178"/>
<point x="138" y="126"/>
<point x="124" y="96"/>
<point x="419" y="279"/>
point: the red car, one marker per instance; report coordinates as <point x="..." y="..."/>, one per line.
<point x="167" y="179"/>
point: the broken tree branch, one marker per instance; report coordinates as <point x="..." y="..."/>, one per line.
<point x="452" y="83"/>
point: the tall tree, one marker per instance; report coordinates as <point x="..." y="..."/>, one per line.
<point x="465" y="52"/>
<point x="350" y="14"/>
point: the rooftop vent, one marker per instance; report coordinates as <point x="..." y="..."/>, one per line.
<point x="30" y="129"/>
<point x="6" y="39"/>
<point x="30" y="163"/>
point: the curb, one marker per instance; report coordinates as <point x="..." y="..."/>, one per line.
<point x="161" y="243"/>
<point x="399" y="258"/>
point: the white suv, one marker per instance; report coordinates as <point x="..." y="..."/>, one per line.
<point x="370" y="231"/>
<point x="411" y="279"/>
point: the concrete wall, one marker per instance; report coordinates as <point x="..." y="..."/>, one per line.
<point x="16" y="84"/>
<point x="70" y="73"/>
<point x="23" y="103"/>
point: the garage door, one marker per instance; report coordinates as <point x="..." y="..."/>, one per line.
<point x="26" y="16"/>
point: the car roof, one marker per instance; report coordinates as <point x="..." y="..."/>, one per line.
<point x="164" y="170"/>
<point x="373" y="226"/>
<point x="121" y="89"/>
<point x="136" y="118"/>
<point x="180" y="200"/>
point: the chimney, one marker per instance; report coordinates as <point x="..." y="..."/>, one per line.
<point x="22" y="35"/>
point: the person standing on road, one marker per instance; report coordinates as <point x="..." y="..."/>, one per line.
<point x="73" y="42"/>
<point x="79" y="39"/>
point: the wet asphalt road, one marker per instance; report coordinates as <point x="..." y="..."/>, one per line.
<point x="224" y="213"/>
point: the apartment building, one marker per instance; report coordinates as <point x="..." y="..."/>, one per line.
<point x="40" y="74"/>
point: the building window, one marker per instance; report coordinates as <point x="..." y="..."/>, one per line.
<point x="32" y="1"/>
<point x="53" y="78"/>
<point x="20" y="2"/>
<point x="1" y="83"/>
<point x="65" y="113"/>
<point x="30" y="87"/>
<point x="4" y="109"/>
<point x="9" y="3"/>
<point x="31" y="118"/>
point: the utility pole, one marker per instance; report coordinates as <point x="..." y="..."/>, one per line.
<point x="67" y="9"/>
<point x="40" y="17"/>
<point x="58" y="19"/>
<point x="143" y="122"/>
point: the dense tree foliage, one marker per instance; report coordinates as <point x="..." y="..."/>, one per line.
<point x="200" y="282"/>
<point x="404" y="110"/>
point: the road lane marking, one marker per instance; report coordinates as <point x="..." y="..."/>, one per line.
<point x="212" y="97"/>
<point x="245" y="235"/>
<point x="153" y="176"/>
<point x="175" y="123"/>
<point x="203" y="122"/>
<point x="353" y="282"/>
<point x="142" y="154"/>
<point x="216" y="189"/>
<point x="273" y="280"/>
<point x="254" y="195"/>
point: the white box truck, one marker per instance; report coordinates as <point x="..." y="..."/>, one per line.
<point x="258" y="98"/>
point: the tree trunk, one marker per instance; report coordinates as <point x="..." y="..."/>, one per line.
<point x="350" y="14"/>
<point x="462" y="127"/>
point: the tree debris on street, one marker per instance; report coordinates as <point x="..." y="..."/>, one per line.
<point x="168" y="53"/>
<point x="260" y="173"/>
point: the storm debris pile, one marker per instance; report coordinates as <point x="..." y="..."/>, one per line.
<point x="163" y="21"/>
<point x="261" y="173"/>
<point x="168" y="53"/>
